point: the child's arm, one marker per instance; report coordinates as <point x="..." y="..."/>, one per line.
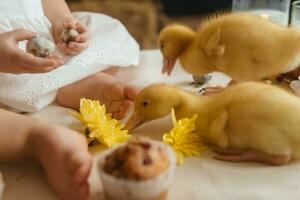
<point x="56" y="10"/>
<point x="61" y="18"/>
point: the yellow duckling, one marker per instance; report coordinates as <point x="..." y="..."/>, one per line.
<point x="247" y="122"/>
<point x="243" y="46"/>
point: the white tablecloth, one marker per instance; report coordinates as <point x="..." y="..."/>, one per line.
<point x="199" y="178"/>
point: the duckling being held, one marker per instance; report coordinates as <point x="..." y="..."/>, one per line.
<point x="248" y="121"/>
<point x="243" y="46"/>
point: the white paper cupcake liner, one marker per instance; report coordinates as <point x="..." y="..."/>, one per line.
<point x="295" y="85"/>
<point x="1" y="185"/>
<point x="154" y="189"/>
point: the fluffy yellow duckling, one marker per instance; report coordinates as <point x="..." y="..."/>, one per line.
<point x="247" y="122"/>
<point x="243" y="46"/>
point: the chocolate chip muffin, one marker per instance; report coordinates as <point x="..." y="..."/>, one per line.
<point x="140" y="159"/>
<point x="141" y="169"/>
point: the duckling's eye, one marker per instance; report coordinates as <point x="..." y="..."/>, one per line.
<point x="145" y="103"/>
<point x="162" y="46"/>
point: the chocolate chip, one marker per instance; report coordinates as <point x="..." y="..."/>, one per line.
<point x="147" y="161"/>
<point x="279" y="78"/>
<point x="146" y="145"/>
<point x="130" y="150"/>
<point x="117" y="164"/>
<point x="127" y="150"/>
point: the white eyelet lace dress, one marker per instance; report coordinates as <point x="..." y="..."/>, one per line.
<point x="110" y="45"/>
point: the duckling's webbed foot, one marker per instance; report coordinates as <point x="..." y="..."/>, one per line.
<point x="233" y="155"/>
<point x="211" y="90"/>
<point x="200" y="80"/>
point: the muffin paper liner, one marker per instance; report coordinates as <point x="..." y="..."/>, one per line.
<point x="1" y="186"/>
<point x="153" y="189"/>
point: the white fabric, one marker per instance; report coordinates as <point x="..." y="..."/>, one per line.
<point x="198" y="179"/>
<point x="20" y="8"/>
<point x="110" y="45"/>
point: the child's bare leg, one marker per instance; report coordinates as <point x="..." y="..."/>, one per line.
<point x="62" y="153"/>
<point x="117" y="96"/>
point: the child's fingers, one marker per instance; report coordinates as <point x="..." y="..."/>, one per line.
<point x="30" y="61"/>
<point x="78" y="46"/>
<point x="81" y="28"/>
<point x="57" y="35"/>
<point x="83" y="37"/>
<point x="22" y="34"/>
<point x="70" y="23"/>
<point x="57" y="58"/>
<point x="33" y="62"/>
<point x="62" y="45"/>
<point x="68" y="50"/>
<point x="35" y="70"/>
<point x="41" y="64"/>
<point x="71" y="52"/>
<point x="73" y="48"/>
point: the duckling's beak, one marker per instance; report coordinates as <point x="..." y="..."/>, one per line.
<point x="134" y="121"/>
<point x="168" y="65"/>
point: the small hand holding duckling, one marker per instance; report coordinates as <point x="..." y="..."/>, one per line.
<point x="244" y="46"/>
<point x="247" y="122"/>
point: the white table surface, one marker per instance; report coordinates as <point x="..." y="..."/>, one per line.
<point x="199" y="178"/>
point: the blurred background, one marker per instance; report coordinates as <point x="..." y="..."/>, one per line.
<point x="145" y="18"/>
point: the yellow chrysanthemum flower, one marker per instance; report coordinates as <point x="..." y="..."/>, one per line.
<point x="183" y="139"/>
<point x="100" y="124"/>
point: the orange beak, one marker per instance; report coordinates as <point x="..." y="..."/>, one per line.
<point x="134" y="121"/>
<point x="168" y="65"/>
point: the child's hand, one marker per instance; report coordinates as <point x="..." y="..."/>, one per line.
<point x="16" y="61"/>
<point x="81" y="41"/>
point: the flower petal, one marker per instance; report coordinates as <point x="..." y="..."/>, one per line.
<point x="184" y="139"/>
